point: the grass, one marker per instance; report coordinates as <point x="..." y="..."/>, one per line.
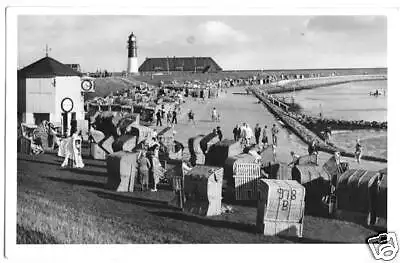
<point x="74" y="207"/>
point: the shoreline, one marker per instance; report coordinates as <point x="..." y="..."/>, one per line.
<point x="304" y="133"/>
<point x="312" y="83"/>
<point x="319" y="124"/>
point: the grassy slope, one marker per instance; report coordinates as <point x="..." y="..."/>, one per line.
<point x="73" y="206"/>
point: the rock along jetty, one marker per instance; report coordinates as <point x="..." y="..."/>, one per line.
<point x="300" y="130"/>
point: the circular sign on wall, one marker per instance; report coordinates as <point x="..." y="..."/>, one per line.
<point x="67" y="104"/>
<point x="86" y="85"/>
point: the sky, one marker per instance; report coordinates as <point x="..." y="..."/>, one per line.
<point x="235" y="42"/>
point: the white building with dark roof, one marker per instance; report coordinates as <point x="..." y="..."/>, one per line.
<point x="43" y="87"/>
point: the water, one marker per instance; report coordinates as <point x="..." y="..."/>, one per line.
<point x="350" y="101"/>
<point x="374" y="141"/>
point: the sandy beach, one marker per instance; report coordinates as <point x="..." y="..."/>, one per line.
<point x="236" y="109"/>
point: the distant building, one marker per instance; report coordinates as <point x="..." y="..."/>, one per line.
<point x="46" y="87"/>
<point x="75" y="67"/>
<point x="180" y="64"/>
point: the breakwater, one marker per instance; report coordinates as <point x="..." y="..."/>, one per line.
<point x="312" y="83"/>
<point x="302" y="131"/>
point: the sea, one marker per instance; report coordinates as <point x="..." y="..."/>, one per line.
<point x="350" y="101"/>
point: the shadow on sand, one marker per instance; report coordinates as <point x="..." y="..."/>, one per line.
<point x="134" y="200"/>
<point x="207" y="221"/>
<point x="77" y="182"/>
<point x="85" y="172"/>
<point x="56" y="161"/>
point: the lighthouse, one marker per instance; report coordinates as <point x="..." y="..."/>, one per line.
<point x="132" y="54"/>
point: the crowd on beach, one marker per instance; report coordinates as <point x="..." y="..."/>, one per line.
<point x="262" y="136"/>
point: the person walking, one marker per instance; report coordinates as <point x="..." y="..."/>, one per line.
<point x="219" y="132"/>
<point x="144" y="168"/>
<point x="191" y="117"/>
<point x="174" y="120"/>
<point x="312" y="150"/>
<point x="159" y="116"/>
<point x="257" y="133"/>
<point x="358" y="152"/>
<point x="264" y="138"/>
<point x="169" y="117"/>
<point x="275" y="132"/>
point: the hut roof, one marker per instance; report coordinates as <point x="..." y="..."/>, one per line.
<point x="201" y="64"/>
<point x="47" y="67"/>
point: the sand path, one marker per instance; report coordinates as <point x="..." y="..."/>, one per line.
<point x="236" y="109"/>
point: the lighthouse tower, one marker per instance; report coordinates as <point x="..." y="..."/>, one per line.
<point x="132" y="54"/>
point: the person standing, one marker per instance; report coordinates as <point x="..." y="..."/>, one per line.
<point x="144" y="167"/>
<point x="236" y="132"/>
<point x="358" y="151"/>
<point x="174" y="120"/>
<point x="257" y="133"/>
<point x="159" y="116"/>
<point x="169" y="117"/>
<point x="162" y="111"/>
<point x="274" y="152"/>
<point x="312" y="150"/>
<point x="157" y="170"/>
<point x="191" y="117"/>
<point x="214" y="115"/>
<point x="249" y="134"/>
<point x="275" y="132"/>
<point x="219" y="132"/>
<point x="264" y="137"/>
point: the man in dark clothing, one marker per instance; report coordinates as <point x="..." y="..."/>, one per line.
<point x="174" y="120"/>
<point x="162" y="111"/>
<point x="191" y="117"/>
<point x="219" y="132"/>
<point x="257" y="133"/>
<point x="236" y="133"/>
<point x="159" y="116"/>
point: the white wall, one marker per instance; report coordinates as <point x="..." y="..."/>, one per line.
<point x="40" y="95"/>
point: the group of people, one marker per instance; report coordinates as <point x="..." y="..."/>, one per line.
<point x="34" y="136"/>
<point x="149" y="165"/>
<point x="171" y="116"/>
<point x="313" y="152"/>
<point x="245" y="134"/>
